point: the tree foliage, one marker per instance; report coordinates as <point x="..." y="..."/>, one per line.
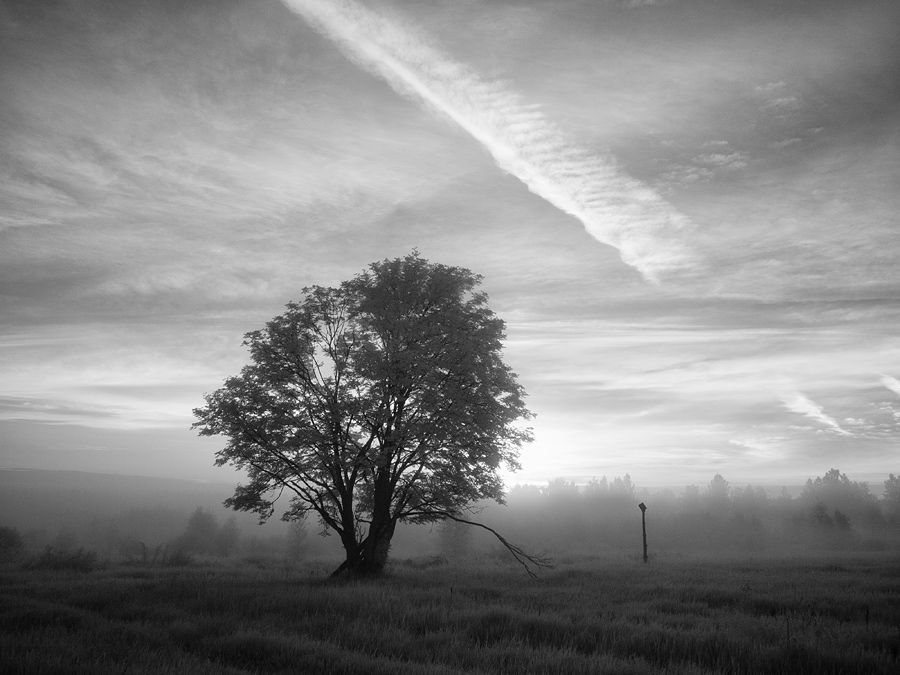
<point x="204" y="535"/>
<point x="718" y="492"/>
<point x="564" y="516"/>
<point x="382" y="400"/>
<point x="836" y="492"/>
<point x="892" y="498"/>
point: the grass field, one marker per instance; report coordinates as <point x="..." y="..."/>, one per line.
<point x="589" y="615"/>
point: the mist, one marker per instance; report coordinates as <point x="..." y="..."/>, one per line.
<point x="132" y="519"/>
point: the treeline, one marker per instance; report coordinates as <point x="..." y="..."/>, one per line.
<point x="150" y="536"/>
<point x="831" y="512"/>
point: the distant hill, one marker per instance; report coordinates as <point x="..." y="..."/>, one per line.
<point x="50" y="502"/>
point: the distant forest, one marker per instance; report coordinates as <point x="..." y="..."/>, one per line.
<point x="147" y="519"/>
<point x="831" y="512"/>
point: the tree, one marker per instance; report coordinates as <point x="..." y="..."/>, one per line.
<point x="561" y="491"/>
<point x="892" y="498"/>
<point x="836" y="491"/>
<point x="11" y="543"/>
<point x="622" y="488"/>
<point x="717" y="493"/>
<point x="750" y="501"/>
<point x="691" y="498"/>
<point x="597" y="489"/>
<point x="297" y="539"/>
<point x="227" y="537"/>
<point x="200" y="534"/>
<point x="381" y="401"/>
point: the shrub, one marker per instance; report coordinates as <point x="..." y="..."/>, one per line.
<point x="56" y="559"/>
<point x="11" y="543"/>
<point x="179" y="558"/>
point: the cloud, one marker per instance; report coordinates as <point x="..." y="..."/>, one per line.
<point x="776" y="99"/>
<point x="731" y="161"/>
<point x="768" y="447"/>
<point x="781" y="145"/>
<point x="719" y="160"/>
<point x="770" y="87"/>
<point x="782" y="103"/>
<point x="798" y="403"/>
<point x="107" y="377"/>
<point x="891" y="383"/>
<point x="614" y="208"/>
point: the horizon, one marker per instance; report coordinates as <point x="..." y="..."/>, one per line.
<point x="875" y="485"/>
<point x="684" y="210"/>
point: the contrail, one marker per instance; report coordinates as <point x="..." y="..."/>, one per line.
<point x="799" y="403"/>
<point x="614" y="208"/>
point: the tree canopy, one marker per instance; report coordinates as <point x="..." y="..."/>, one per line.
<point x="385" y="399"/>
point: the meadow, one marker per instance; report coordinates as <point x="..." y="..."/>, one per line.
<point x="835" y="613"/>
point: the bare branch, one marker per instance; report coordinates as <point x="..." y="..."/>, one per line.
<point x="523" y="558"/>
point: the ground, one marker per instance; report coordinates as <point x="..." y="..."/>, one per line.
<point x="611" y="614"/>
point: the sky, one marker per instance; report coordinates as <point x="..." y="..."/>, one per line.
<point x="686" y="212"/>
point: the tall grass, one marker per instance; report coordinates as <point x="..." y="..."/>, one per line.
<point x="837" y="615"/>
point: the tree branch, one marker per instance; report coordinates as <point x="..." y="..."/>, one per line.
<point x="523" y="558"/>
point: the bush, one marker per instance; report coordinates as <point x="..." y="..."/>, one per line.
<point x="52" y="558"/>
<point x="11" y="543"/>
<point x="179" y="558"/>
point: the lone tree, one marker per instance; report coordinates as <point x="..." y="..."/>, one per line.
<point x="382" y="400"/>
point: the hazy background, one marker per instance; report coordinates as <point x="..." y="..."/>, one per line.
<point x="685" y="210"/>
<point x="165" y="521"/>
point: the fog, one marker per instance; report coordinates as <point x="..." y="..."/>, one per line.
<point x="830" y="512"/>
<point x="134" y="518"/>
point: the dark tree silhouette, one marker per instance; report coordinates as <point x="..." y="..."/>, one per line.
<point x="836" y="491"/>
<point x="204" y="535"/>
<point x="892" y="498"/>
<point x="11" y="542"/>
<point x="382" y="400"/>
<point x="717" y="494"/>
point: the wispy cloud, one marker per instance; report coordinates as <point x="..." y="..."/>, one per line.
<point x="799" y="403"/>
<point x="613" y="207"/>
<point x="104" y="378"/>
<point x="891" y="383"/>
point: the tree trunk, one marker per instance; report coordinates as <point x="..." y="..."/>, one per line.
<point x="369" y="557"/>
<point x="376" y="553"/>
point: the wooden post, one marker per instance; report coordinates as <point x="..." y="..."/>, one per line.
<point x="643" y="508"/>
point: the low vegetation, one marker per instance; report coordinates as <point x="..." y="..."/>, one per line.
<point x="11" y="543"/>
<point x="830" y="613"/>
<point x="52" y="558"/>
<point x="740" y="580"/>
